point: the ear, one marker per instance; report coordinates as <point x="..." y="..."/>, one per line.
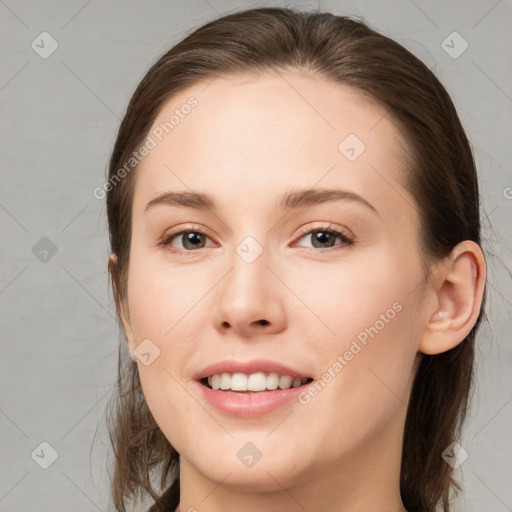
<point x="121" y="304"/>
<point x="458" y="285"/>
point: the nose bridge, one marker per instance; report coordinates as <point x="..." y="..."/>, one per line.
<point x="248" y="280"/>
<point x="248" y="297"/>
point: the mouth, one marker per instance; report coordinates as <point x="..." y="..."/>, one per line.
<point x="256" y="383"/>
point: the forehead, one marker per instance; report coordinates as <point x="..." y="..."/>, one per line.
<point x="256" y="135"/>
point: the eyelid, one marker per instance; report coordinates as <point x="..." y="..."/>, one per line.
<point x="347" y="237"/>
<point x="326" y="226"/>
<point x="183" y="229"/>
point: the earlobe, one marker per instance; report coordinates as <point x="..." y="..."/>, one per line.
<point x="459" y="289"/>
<point x="121" y="307"/>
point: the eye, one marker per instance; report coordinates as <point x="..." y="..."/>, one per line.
<point x="191" y="240"/>
<point x="324" y="237"/>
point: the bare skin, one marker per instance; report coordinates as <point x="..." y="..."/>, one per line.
<point x="248" y="141"/>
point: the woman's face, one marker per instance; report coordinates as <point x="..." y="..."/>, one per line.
<point x="261" y="274"/>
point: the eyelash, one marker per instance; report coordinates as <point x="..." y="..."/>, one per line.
<point x="346" y="240"/>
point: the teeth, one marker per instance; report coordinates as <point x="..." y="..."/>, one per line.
<point x="239" y="382"/>
<point x="259" y="381"/>
<point x="225" y="381"/>
<point x="255" y="382"/>
<point x="272" y="381"/>
<point x="285" y="382"/>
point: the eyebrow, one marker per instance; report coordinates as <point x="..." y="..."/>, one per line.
<point x="292" y="200"/>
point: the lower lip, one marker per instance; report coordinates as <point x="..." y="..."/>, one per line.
<point x="245" y="404"/>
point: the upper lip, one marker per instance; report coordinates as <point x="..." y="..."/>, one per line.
<point x="247" y="367"/>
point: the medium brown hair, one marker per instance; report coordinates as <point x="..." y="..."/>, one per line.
<point x="440" y="175"/>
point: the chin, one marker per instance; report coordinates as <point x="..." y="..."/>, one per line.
<point x="252" y="480"/>
<point x="270" y="473"/>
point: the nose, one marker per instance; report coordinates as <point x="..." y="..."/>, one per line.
<point x="250" y="298"/>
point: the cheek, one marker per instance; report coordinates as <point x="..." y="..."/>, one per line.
<point x="359" y="301"/>
<point x="156" y="299"/>
<point x="170" y="405"/>
<point x="367" y="358"/>
<point x="164" y="324"/>
<point x="363" y="389"/>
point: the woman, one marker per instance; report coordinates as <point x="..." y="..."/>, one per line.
<point x="293" y="210"/>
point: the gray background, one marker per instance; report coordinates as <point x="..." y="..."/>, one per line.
<point x="59" y="119"/>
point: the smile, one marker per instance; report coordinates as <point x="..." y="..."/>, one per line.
<point x="254" y="382"/>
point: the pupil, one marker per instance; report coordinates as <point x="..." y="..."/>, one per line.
<point x="322" y="237"/>
<point x="192" y="238"/>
